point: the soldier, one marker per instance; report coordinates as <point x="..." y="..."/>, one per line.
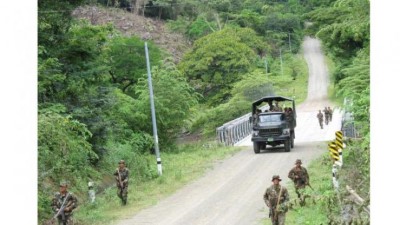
<point x="326" y="113"/>
<point x="63" y="204"/>
<point x="256" y="116"/>
<point x="290" y="117"/>
<point x="277" y="108"/>
<point x="121" y="176"/>
<point x="320" y="119"/>
<point x="299" y="176"/>
<point x="275" y="197"/>
<point x="330" y="113"/>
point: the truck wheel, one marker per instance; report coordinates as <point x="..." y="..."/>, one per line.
<point x="287" y="145"/>
<point x="256" y="147"/>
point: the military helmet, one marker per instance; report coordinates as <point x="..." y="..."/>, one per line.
<point x="276" y="177"/>
<point x="298" y="161"/>
<point x="63" y="184"/>
<point x="121" y="162"/>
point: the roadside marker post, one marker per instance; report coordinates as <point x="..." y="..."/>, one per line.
<point x="335" y="155"/>
<point x="339" y="145"/>
<point x="333" y="151"/>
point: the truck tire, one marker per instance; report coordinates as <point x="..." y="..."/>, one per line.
<point x="256" y="147"/>
<point x="287" y="145"/>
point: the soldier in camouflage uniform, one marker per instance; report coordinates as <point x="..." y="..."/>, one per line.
<point x="63" y="204"/>
<point x="326" y="113"/>
<point x="330" y="113"/>
<point x="299" y="176"/>
<point x="121" y="176"/>
<point x="276" y="197"/>
<point x="320" y="117"/>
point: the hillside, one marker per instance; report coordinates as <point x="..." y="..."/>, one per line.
<point x="130" y="24"/>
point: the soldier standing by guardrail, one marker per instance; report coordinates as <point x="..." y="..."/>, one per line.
<point x="330" y="113"/>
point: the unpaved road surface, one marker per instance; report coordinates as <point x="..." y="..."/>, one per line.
<point x="232" y="192"/>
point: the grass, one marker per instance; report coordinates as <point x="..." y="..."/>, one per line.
<point x="179" y="168"/>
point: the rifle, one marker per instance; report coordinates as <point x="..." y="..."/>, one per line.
<point x="308" y="184"/>
<point x="277" y="204"/>
<point x="119" y="180"/>
<point x="271" y="212"/>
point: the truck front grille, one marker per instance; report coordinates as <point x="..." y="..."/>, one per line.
<point x="270" y="132"/>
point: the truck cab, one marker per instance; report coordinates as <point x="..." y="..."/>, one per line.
<point x="272" y="125"/>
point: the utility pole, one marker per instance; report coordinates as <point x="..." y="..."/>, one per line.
<point x="280" y="54"/>
<point x="266" y="65"/>
<point x="153" y="113"/>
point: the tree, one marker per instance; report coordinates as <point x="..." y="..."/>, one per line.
<point x="127" y="61"/>
<point x="343" y="27"/>
<point x="219" y="59"/>
<point x="173" y="98"/>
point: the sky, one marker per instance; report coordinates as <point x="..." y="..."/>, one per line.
<point x="18" y="114"/>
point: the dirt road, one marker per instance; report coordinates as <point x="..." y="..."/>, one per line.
<point x="232" y="193"/>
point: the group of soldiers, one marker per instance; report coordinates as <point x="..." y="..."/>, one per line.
<point x="328" y="112"/>
<point x="64" y="202"/>
<point x="276" y="197"/>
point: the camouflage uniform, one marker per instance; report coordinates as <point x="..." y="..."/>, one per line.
<point x="122" y="191"/>
<point x="277" y="212"/>
<point x="326" y="113"/>
<point x="70" y="204"/>
<point x="277" y="108"/>
<point x="290" y="118"/>
<point x="330" y="113"/>
<point x="299" y="176"/>
<point x="320" y="119"/>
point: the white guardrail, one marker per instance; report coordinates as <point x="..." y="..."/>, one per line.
<point x="235" y="130"/>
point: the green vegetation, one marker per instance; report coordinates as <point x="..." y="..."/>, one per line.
<point x="93" y="100"/>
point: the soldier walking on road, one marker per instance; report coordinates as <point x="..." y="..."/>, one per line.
<point x="320" y="119"/>
<point x="63" y="204"/>
<point x="299" y="176"/>
<point x="121" y="176"/>
<point x="330" y="113"/>
<point x="326" y="113"/>
<point x="275" y="197"/>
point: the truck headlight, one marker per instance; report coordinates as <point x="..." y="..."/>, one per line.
<point x="255" y="132"/>
<point x="286" y="131"/>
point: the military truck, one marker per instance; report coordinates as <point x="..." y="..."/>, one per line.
<point x="271" y="125"/>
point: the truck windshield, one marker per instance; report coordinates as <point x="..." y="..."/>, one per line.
<point x="271" y="118"/>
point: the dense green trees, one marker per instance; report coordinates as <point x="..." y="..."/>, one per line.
<point x="218" y="60"/>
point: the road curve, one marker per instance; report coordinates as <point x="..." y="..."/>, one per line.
<point x="232" y="192"/>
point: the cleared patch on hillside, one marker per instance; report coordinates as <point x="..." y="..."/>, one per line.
<point x="130" y="24"/>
